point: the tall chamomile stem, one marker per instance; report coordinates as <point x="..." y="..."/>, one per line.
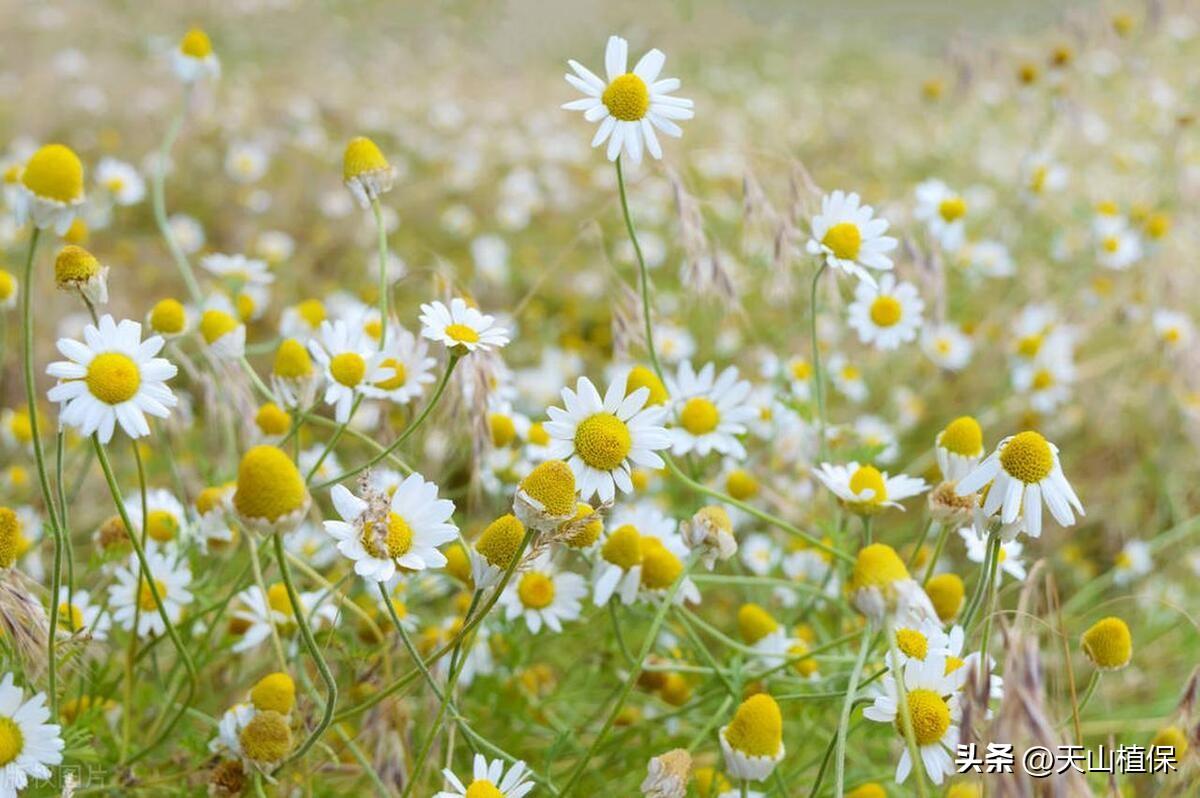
<point x="906" y="723"/>
<point x="384" y="288"/>
<point x="331" y="689"/>
<point x="847" y="707"/>
<point x="160" y="204"/>
<point x="989" y="598"/>
<point x="818" y="373"/>
<point x="140" y="551"/>
<point x="645" y="277"/>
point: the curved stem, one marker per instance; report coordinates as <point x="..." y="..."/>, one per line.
<point x="172" y="632"/>
<point x="333" y="441"/>
<point x="383" y="281"/>
<point x="817" y="370"/>
<point x="405" y="435"/>
<point x="160" y="205"/>
<point x="943" y="533"/>
<point x="645" y="277"/>
<point x="331" y="690"/>
<point x="847" y="706"/>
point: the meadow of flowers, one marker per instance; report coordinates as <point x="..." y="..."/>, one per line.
<point x="769" y="408"/>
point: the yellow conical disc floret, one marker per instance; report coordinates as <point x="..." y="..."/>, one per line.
<point x="269" y="487"/>
<point x="755" y="623"/>
<point x="1027" y="456"/>
<point x="272" y="420"/>
<point x="946" y="592"/>
<point x="267" y="737"/>
<point x="54" y="173"/>
<point x="458" y="563"/>
<point x="660" y="567"/>
<point x="868" y="790"/>
<point x="1108" y="644"/>
<point x="196" y="44"/>
<point x="74" y="265"/>
<point x="216" y="324"/>
<point x="962" y="436"/>
<point x="757" y="727"/>
<point x="362" y="157"/>
<point x="500" y="540"/>
<point x="585" y="528"/>
<point x="869" y="478"/>
<point x="276" y="692"/>
<point x="642" y="377"/>
<point x="10" y="537"/>
<point x="168" y="317"/>
<point x="552" y="484"/>
<point x="292" y="361"/>
<point x="623" y="547"/>
<point x="877" y="565"/>
<point x="1174" y="738"/>
<point x="929" y="714"/>
<point x="741" y="484"/>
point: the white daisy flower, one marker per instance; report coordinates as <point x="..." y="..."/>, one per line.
<point x="1010" y="553"/>
<point x="1023" y="472"/>
<point x="886" y="315"/>
<point x="943" y="211"/>
<point x="50" y="189"/>
<point x="934" y="712"/>
<point x="959" y="448"/>
<point x="222" y="330"/>
<point x="629" y="105"/>
<point x="256" y="613"/>
<point x="959" y="668"/>
<point x="1042" y="175"/>
<point x="166" y="522"/>
<point x="1118" y="245"/>
<point x="1047" y="380"/>
<point x="404" y="530"/>
<point x="409" y="367"/>
<point x="112" y="376"/>
<point x="312" y="545"/>
<point x="1132" y="561"/>
<point x="77" y="613"/>
<point x="866" y="490"/>
<point x="194" y="58"/>
<point x="603" y="439"/>
<point x="673" y="343"/>
<point x="489" y="780"/>
<point x="921" y="641"/>
<point x="618" y="568"/>
<point x="758" y="553"/>
<point x="879" y="437"/>
<point x="28" y="743"/>
<point x="1173" y="329"/>
<point x="461" y="327"/>
<point x="947" y="346"/>
<point x="131" y="594"/>
<point x="847" y="378"/>
<point x="246" y="162"/>
<point x="303" y="320"/>
<point x="238" y="269"/>
<point x="351" y="366"/>
<point x="544" y="596"/>
<point x="121" y="180"/>
<point x="848" y="237"/>
<point x="989" y="258"/>
<point x="710" y="411"/>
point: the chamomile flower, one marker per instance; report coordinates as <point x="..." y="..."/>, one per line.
<point x="921" y="641"/>
<point x="238" y="270"/>
<point x="959" y="448"/>
<point x="849" y="237"/>
<point x="76" y="269"/>
<point x="1132" y="562"/>
<point x="411" y="368"/>
<point x="710" y="532"/>
<point x="618" y="569"/>
<point x="194" y="58"/>
<point x="221" y="330"/>
<point x="132" y="595"/>
<point x="759" y="630"/>
<point x="710" y="410"/>
<point x="255" y="613"/>
<point x="847" y="378"/>
<point x="866" y="490"/>
<point x="1047" y="380"/>
<point x="603" y="439"/>
<point x="752" y="742"/>
<point x="166" y="523"/>
<point x="213" y="525"/>
<point x="50" y="193"/>
<point x="380" y="534"/>
<point x="545" y="497"/>
<point x="121" y="180"/>
<point x="246" y="162"/>
<point x="351" y="366"/>
<point x="758" y="553"/>
<point x="488" y="780"/>
<point x="1042" y="175"/>
<point x="933" y="706"/>
<point x="365" y="171"/>
<point x="673" y="344"/>
<point x="303" y="320"/>
<point x="168" y="318"/>
<point x="9" y="290"/>
<point x="880" y="587"/>
<point x="989" y="258"/>
<point x="77" y="614"/>
<point x="112" y="377"/>
<point x="1108" y="644"/>
<point x="943" y="210"/>
<point x="1118" y="245"/>
<point x="1174" y="330"/>
<point x="1023" y="472"/>
<point x="886" y="315"/>
<point x="460" y="327"/>
<point x="271" y="495"/>
<point x="28" y="744"/>
<point x="493" y="553"/>
<point x="293" y="378"/>
<point x="629" y="105"/>
<point x="947" y="346"/>
<point x="544" y="596"/>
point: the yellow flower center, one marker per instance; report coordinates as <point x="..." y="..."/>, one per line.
<point x="278" y="598"/>
<point x="266" y="737"/>
<point x="113" y="378"/>
<point x="196" y="44"/>
<point x="245" y="306"/>
<point x="462" y="333"/>
<point x="272" y="420"/>
<point x="398" y="378"/>
<point x="1027" y="457"/>
<point x="603" y="441"/>
<point x="886" y="311"/>
<point x="757" y="727"/>
<point x="12" y="741"/>
<point x="503" y="430"/>
<point x="913" y="643"/>
<point x="275" y="692"/>
<point x="162" y="526"/>
<point x="1108" y="643"/>
<point x="1111" y="244"/>
<point x="699" y="416"/>
<point x="70" y="616"/>
<point x="146" y="597"/>
<point x="962" y="436"/>
<point x="373" y="328"/>
<point x="312" y="311"/>
<point x="1173" y="738"/>
<point x="851" y="373"/>
<point x="741" y="484"/>
<point x="929" y="714"/>
<point x="755" y="623"/>
<point x="642" y="377"/>
<point x="868" y="478"/>
<point x="362" y="158"/>
<point x="844" y="240"/>
<point x="1037" y="180"/>
<point x="54" y="173"/>
<point x="627" y="97"/>
<point x="553" y="484"/>
<point x="168" y="317"/>
<point x="74" y="265"/>
<point x="877" y="565"/>
<point x="801" y="370"/>
<point x="1043" y="379"/>
<point x="538" y="435"/>
<point x="482" y="789"/>
<point x="953" y="664"/>
<point x="292" y="361"/>
<point x="215" y="325"/>
<point x="8" y="284"/>
<point x="536" y="590"/>
<point x="500" y="540"/>
<point x="623" y="547"/>
<point x="660" y="567"/>
<point x="268" y="485"/>
<point x="952" y="209"/>
<point x="946" y="592"/>
<point x="394" y="543"/>
<point x="348" y="368"/>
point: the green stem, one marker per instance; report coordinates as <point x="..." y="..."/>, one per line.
<point x="644" y="275"/>
<point x="331" y="690"/>
<point x="140" y="551"/>
<point x="405" y="435"/>
<point x="910" y="738"/>
<point x="847" y="707"/>
<point x="943" y="534"/>
<point x="1089" y="691"/>
<point x="818" y="373"/>
<point x="259" y="385"/>
<point x="383" y="281"/>
<point x="333" y="440"/>
<point x="987" y="575"/>
<point x="160" y="205"/>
